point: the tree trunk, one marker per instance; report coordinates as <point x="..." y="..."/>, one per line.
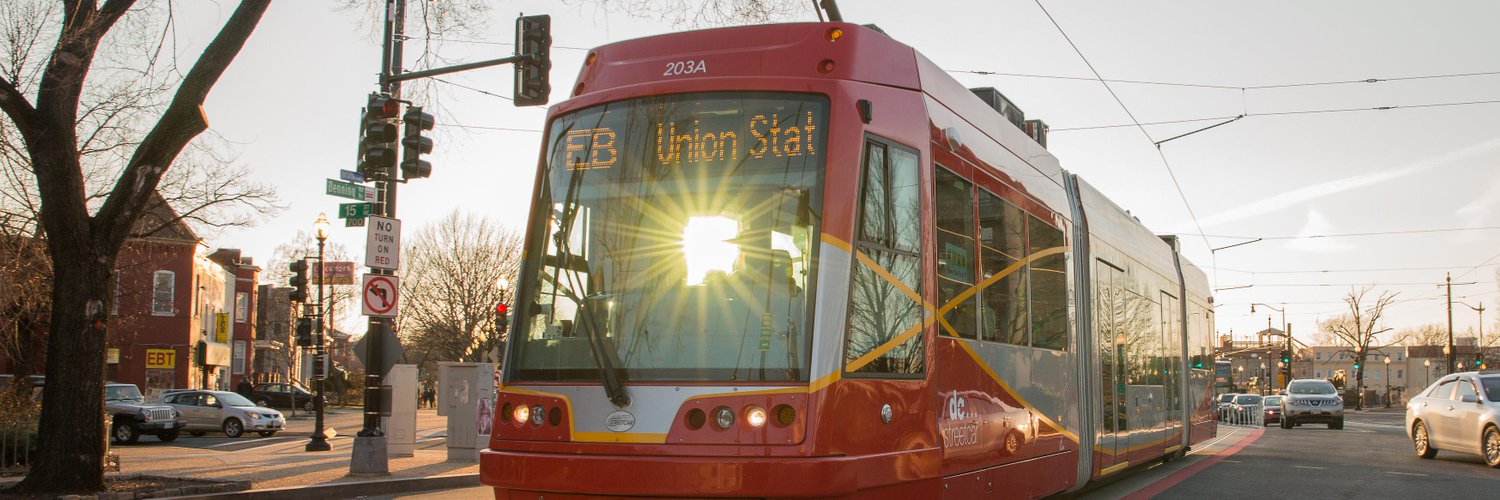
<point x="71" y="434"/>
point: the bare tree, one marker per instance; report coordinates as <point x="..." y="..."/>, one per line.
<point x="451" y="284"/>
<point x="712" y="12"/>
<point x="61" y="116"/>
<point x="1357" y="330"/>
<point x="1424" y="334"/>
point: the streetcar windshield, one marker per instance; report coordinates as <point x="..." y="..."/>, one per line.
<point x="677" y="234"/>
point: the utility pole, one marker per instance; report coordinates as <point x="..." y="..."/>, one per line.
<point x="1448" y="279"/>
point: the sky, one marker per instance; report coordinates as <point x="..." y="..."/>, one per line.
<point x="1295" y="170"/>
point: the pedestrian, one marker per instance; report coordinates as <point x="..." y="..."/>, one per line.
<point x="245" y="388"/>
<point x="430" y="396"/>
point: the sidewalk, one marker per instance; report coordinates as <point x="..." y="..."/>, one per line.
<point x="281" y="462"/>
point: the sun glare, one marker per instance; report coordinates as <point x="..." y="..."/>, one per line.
<point x="705" y="246"/>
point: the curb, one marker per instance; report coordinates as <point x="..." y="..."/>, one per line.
<point x="351" y="489"/>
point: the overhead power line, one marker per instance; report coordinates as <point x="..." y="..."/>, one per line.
<point x="1326" y="271"/>
<point x="1350" y="235"/>
<point x="1165" y="163"/>
<point x="1283" y="113"/>
<point x="1232" y="87"/>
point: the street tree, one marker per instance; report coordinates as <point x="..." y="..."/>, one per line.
<point x="1424" y="334"/>
<point x="61" y="115"/>
<point x="452" y="277"/>
<point x="1359" y="331"/>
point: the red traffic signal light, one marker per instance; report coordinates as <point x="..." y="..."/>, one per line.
<point x="382" y="106"/>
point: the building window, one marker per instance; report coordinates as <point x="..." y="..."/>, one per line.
<point x="241" y="307"/>
<point x="1319" y="374"/>
<point x="163" y="293"/>
<point x="1320" y="355"/>
<point x="1400" y="373"/>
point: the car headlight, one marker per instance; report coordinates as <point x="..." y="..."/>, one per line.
<point x="145" y="414"/>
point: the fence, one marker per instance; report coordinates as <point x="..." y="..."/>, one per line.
<point x="17" y="447"/>
<point x="1246" y="415"/>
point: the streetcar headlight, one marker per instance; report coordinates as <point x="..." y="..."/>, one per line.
<point x="723" y="417"/>
<point x="522" y="413"/>
<point x="755" y="415"/>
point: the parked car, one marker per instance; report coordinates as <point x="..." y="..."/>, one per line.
<point x="215" y="411"/>
<point x="283" y="395"/>
<point x="1459" y="413"/>
<point x="1311" y="400"/>
<point x="1244" y="409"/>
<point x="131" y="416"/>
<point x="1223" y="403"/>
<point x="1271" y="411"/>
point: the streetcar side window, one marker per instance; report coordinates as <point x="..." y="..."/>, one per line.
<point x="885" y="306"/>
<point x="1049" y="286"/>
<point x="1002" y="240"/>
<point x="957" y="305"/>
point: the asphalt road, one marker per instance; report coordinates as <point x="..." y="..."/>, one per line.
<point x="1370" y="458"/>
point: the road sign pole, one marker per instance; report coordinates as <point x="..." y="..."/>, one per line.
<point x="369" y="455"/>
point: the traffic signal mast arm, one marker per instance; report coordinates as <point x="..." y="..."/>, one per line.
<point x="452" y="69"/>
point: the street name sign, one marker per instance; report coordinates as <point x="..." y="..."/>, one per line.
<point x="350" y="191"/>
<point x="380" y="295"/>
<point x="383" y="243"/>
<point x="351" y="176"/>
<point x="354" y="222"/>
<point x="353" y="210"/>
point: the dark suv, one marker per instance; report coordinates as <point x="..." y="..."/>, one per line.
<point x="132" y="416"/>
<point x="1312" y="400"/>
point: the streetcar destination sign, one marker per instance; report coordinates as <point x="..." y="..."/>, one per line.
<point x="355" y="210"/>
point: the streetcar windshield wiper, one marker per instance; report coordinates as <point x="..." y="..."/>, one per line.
<point x="614" y="387"/>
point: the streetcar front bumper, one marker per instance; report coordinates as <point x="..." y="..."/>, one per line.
<point x="527" y="475"/>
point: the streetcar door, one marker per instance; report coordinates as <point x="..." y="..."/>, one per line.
<point x="1171" y="356"/>
<point x="1108" y="313"/>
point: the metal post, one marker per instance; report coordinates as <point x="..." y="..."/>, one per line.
<point x="319" y="442"/>
<point x="369" y="455"/>
<point x="1448" y="280"/>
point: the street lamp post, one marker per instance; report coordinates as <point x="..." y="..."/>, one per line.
<point x="319" y="442"/>
<point x="1387" y="381"/>
<point x="1427" y="370"/>
<point x="1286" y="331"/>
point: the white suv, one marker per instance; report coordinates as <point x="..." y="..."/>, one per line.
<point x="1311" y="400"/>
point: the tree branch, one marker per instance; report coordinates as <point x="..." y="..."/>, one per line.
<point x="182" y="121"/>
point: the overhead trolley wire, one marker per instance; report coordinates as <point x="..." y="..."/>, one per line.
<point x="1100" y="78"/>
<point x="1283" y="113"/>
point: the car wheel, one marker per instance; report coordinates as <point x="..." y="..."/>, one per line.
<point x="1492" y="446"/>
<point x="167" y="437"/>
<point x="263" y="403"/>
<point x="1012" y="443"/>
<point x="125" y="433"/>
<point x="266" y="434"/>
<point x="1420" y="441"/>
<point x="197" y="434"/>
<point x="309" y="406"/>
<point x="233" y="428"/>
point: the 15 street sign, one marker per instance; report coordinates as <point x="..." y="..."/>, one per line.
<point x="353" y="210"/>
<point x="351" y="191"/>
<point x="383" y="243"/>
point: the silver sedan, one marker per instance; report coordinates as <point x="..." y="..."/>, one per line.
<point x="213" y="411"/>
<point x="1459" y="412"/>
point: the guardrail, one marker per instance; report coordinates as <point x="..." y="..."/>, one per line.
<point x="1245" y="415"/>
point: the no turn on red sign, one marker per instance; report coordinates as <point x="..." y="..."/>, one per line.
<point x="380" y="295"/>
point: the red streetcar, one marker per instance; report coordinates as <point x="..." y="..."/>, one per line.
<point x="800" y="260"/>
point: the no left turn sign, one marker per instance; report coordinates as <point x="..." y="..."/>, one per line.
<point x="380" y="295"/>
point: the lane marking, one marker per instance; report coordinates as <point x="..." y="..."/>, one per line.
<point x="1398" y="473"/>
<point x="1313" y="467"/>
<point x="1154" y="489"/>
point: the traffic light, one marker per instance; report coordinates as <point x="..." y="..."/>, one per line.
<point x="534" y="45"/>
<point x="298" y="281"/>
<point x="1479" y="361"/>
<point x="304" y="332"/>
<point x="377" y="143"/>
<point x="502" y="321"/>
<point x="1356" y="365"/>
<point x="413" y="145"/>
<point x="1286" y="356"/>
